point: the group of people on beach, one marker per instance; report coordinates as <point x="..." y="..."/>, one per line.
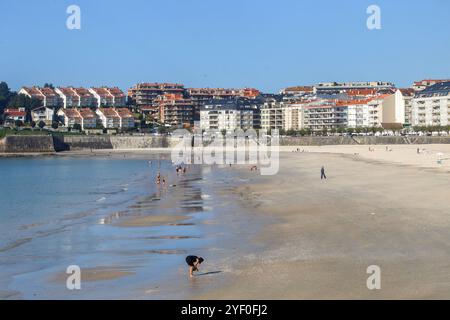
<point x="180" y="169"/>
<point x="159" y="178"/>
<point x="162" y="180"/>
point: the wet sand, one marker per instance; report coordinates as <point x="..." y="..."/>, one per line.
<point x="150" y="221"/>
<point x="96" y="274"/>
<point x="326" y="233"/>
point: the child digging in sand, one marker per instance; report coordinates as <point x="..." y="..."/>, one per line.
<point x="193" y="263"/>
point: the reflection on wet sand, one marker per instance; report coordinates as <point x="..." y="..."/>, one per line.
<point x="96" y="274"/>
<point x="149" y="221"/>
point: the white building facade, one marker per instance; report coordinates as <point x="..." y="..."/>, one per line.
<point x="431" y="107"/>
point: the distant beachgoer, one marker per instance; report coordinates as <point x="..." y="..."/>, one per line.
<point x="184" y="170"/>
<point x="158" y="178"/>
<point x="193" y="262"/>
<point x="164" y="181"/>
<point x="322" y="173"/>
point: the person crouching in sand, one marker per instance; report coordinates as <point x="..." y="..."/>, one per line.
<point x="193" y="263"/>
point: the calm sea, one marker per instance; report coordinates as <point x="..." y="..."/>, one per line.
<point x="56" y="212"/>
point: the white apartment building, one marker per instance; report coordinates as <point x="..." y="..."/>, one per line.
<point x="48" y="96"/>
<point x="293" y="117"/>
<point x="76" y="97"/>
<point x="408" y="95"/>
<point x="325" y="115"/>
<point x="115" y="118"/>
<point x="42" y="114"/>
<point x="225" y="115"/>
<point x="431" y="107"/>
<point x="108" y="97"/>
<point x="357" y="113"/>
<point x="272" y="115"/>
<point x="375" y="110"/>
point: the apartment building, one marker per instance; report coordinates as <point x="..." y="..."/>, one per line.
<point x="44" y="114"/>
<point x="357" y="112"/>
<point x="431" y="106"/>
<point x="201" y="96"/>
<point x="115" y="118"/>
<point x="69" y="98"/>
<point x="88" y="118"/>
<point x="109" y="118"/>
<point x="408" y="95"/>
<point x="375" y="107"/>
<point x="298" y="91"/>
<point x="272" y="113"/>
<point x="108" y="97"/>
<point x="293" y="118"/>
<point x="227" y="114"/>
<point x="335" y="87"/>
<point x="143" y="94"/>
<point x="325" y="115"/>
<point x="69" y="117"/>
<point x="72" y="97"/>
<point x="423" y="84"/>
<point x="126" y="118"/>
<point x="175" y="110"/>
<point x="85" y="117"/>
<point x="47" y="96"/>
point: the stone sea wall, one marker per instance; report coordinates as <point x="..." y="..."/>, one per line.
<point x="23" y="144"/>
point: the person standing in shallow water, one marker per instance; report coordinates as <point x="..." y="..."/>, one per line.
<point x="322" y="173"/>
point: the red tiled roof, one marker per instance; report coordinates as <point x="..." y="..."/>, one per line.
<point x="15" y="112"/>
<point x="49" y="92"/>
<point x="66" y="91"/>
<point x="87" y="113"/>
<point x="352" y="102"/>
<point x="71" y="113"/>
<point x="109" y="112"/>
<point x="82" y="92"/>
<point x="124" y="113"/>
<point x="33" y="91"/>
<point x="101" y="92"/>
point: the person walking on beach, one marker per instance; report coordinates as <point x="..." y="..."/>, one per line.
<point x="193" y="262"/>
<point x="322" y="173"/>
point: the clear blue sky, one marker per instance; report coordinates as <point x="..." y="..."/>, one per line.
<point x="266" y="44"/>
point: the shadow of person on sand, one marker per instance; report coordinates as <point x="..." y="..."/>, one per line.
<point x="208" y="273"/>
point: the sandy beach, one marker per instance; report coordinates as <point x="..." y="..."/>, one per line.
<point x="384" y="208"/>
<point x="286" y="236"/>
